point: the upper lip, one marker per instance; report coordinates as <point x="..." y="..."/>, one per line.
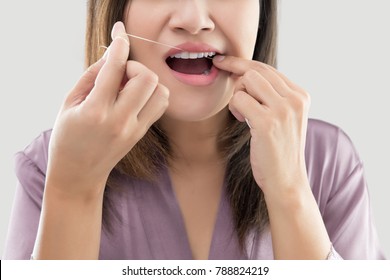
<point x="192" y="47"/>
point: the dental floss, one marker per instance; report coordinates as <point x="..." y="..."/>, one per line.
<point x="158" y="43"/>
<point x="151" y="41"/>
<point x="155" y="42"/>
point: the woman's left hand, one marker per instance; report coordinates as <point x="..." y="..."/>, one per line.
<point x="277" y="112"/>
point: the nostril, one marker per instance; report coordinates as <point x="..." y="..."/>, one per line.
<point x="193" y="18"/>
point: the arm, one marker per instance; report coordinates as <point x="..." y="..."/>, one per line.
<point x="346" y="203"/>
<point x="298" y="231"/>
<point x="276" y="111"/>
<point x="69" y="226"/>
<point x="24" y="219"/>
<point x="94" y="116"/>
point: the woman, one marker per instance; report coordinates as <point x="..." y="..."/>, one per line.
<point x="190" y="152"/>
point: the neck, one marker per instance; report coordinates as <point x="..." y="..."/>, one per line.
<point x="195" y="142"/>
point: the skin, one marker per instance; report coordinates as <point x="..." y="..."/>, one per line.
<point x="277" y="111"/>
<point x="176" y="22"/>
<point x="94" y="109"/>
<point x="275" y="108"/>
<point x="195" y="114"/>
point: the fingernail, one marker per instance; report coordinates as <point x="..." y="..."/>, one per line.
<point x="105" y="52"/>
<point x="248" y="123"/>
<point x="219" y="58"/>
<point x="117" y="28"/>
<point x="119" y="32"/>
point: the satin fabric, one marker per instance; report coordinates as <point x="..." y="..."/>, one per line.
<point x="150" y="224"/>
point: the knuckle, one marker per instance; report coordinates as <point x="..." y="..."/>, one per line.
<point x="164" y="103"/>
<point x="250" y="74"/>
<point x="239" y="84"/>
<point x="301" y="102"/>
<point x="237" y="98"/>
<point x="149" y="78"/>
<point x="118" y="64"/>
<point x="163" y="89"/>
<point x="163" y="99"/>
<point x="261" y="67"/>
<point x="143" y="76"/>
<point x="95" y="117"/>
<point x="307" y="98"/>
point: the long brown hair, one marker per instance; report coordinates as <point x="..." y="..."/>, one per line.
<point x="146" y="158"/>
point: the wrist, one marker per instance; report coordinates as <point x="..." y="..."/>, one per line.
<point x="74" y="190"/>
<point x="297" y="228"/>
<point x="288" y="197"/>
<point x="68" y="218"/>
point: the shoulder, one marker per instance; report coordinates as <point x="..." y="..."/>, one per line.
<point x="326" y="140"/>
<point x="31" y="162"/>
<point x="331" y="160"/>
<point x="322" y="130"/>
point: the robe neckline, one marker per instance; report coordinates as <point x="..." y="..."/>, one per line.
<point x="165" y="229"/>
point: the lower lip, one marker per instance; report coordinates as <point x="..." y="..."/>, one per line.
<point x="197" y="80"/>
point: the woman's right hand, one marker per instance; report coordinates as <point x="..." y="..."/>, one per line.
<point x="108" y="111"/>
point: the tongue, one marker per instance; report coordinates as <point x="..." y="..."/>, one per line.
<point x="190" y="66"/>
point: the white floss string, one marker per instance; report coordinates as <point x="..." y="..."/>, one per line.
<point x="155" y="42"/>
<point x="150" y="41"/>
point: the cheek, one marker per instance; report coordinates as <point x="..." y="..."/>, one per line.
<point x="248" y="38"/>
<point x="243" y="31"/>
<point x="138" y="48"/>
<point x="138" y="15"/>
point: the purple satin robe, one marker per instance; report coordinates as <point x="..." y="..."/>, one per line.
<point x="152" y="227"/>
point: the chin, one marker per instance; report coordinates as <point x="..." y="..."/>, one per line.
<point x="191" y="113"/>
<point x="195" y="104"/>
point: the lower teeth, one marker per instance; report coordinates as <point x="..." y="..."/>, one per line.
<point x="206" y="72"/>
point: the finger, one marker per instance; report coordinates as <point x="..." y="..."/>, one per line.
<point x="140" y="86"/>
<point x="109" y="79"/>
<point x="236" y="114"/>
<point x="84" y="85"/>
<point x="240" y="66"/>
<point x="155" y="107"/>
<point x="259" y="88"/>
<point x="233" y="64"/>
<point x="247" y="107"/>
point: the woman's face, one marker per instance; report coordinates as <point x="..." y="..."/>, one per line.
<point x="198" y="90"/>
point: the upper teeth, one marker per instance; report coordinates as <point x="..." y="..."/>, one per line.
<point x="191" y="55"/>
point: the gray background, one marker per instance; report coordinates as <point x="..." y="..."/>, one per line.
<point x="338" y="50"/>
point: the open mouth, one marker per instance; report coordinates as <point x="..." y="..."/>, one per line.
<point x="191" y="63"/>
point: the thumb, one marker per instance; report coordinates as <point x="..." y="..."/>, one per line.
<point x="85" y="84"/>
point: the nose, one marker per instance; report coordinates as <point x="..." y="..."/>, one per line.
<point x="192" y="16"/>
